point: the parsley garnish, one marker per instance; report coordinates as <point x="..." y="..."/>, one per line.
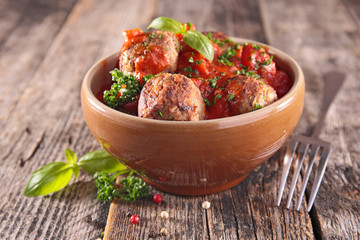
<point x="257" y="47"/>
<point x="217" y="97"/>
<point x="189" y="70"/>
<point x="267" y="62"/>
<point x="257" y="107"/>
<point x="249" y="74"/>
<point x="212" y="81"/>
<point x="230" y="97"/>
<point x="207" y="103"/>
<point x="224" y="59"/>
<point x="191" y="60"/>
<point x="198" y="62"/>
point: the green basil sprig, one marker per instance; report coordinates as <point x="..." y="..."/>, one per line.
<point x="54" y="176"/>
<point x="193" y="38"/>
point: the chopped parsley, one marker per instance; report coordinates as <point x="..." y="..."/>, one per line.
<point x="213" y="81"/>
<point x="214" y="40"/>
<point x="191" y="60"/>
<point x="257" y="106"/>
<point x="256" y="47"/>
<point x="189" y="70"/>
<point x="151" y="36"/>
<point x="207" y="102"/>
<point x="217" y="97"/>
<point x="267" y="62"/>
<point x="160" y="113"/>
<point x="224" y="59"/>
<point x="198" y="62"/>
<point x="249" y="74"/>
<point x="230" y="97"/>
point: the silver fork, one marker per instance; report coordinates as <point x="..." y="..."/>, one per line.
<point x="312" y="147"/>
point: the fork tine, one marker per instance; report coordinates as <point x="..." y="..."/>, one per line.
<point x="313" y="153"/>
<point x="288" y="158"/>
<point x="303" y="151"/>
<point x="319" y="175"/>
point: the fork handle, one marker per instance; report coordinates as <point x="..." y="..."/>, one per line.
<point x="332" y="84"/>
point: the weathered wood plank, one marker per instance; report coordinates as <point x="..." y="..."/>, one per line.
<point x="25" y="37"/>
<point x="321" y="41"/>
<point x="46" y="117"/>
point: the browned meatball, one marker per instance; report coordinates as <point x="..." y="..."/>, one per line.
<point x="246" y="94"/>
<point x="157" y="53"/>
<point x="171" y="97"/>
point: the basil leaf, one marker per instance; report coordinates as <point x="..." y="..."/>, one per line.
<point x="49" y="178"/>
<point x="70" y="156"/>
<point x="100" y="161"/>
<point x="76" y="170"/>
<point x="167" y="24"/>
<point x="200" y="43"/>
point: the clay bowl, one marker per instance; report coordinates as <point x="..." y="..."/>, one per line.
<point x="193" y="158"/>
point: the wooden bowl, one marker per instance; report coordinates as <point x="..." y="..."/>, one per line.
<point x="193" y="158"/>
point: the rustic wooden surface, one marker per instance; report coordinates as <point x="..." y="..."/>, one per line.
<point x="46" y="48"/>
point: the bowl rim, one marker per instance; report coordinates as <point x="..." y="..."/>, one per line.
<point x="225" y="122"/>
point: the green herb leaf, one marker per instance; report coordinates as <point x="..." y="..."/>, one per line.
<point x="200" y="43"/>
<point x="106" y="190"/>
<point x="70" y="156"/>
<point x="100" y="161"/>
<point x="49" y="178"/>
<point x="230" y="97"/>
<point x="124" y="89"/>
<point x="217" y="97"/>
<point x="207" y="102"/>
<point x="167" y="24"/>
<point x="134" y="187"/>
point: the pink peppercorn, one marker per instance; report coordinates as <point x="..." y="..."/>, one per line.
<point x="157" y="198"/>
<point x="134" y="219"/>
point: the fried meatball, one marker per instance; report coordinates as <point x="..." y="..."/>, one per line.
<point x="171" y="97"/>
<point x="246" y="94"/>
<point x="156" y="54"/>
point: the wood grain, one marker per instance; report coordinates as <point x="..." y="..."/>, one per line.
<point x="46" y="48"/>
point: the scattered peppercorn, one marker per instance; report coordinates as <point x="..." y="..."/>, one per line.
<point x="157" y="198"/>
<point x="205" y="205"/>
<point x="164" y="214"/>
<point x="134" y="219"/>
<point x="164" y="232"/>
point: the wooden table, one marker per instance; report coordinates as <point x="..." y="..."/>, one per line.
<point x="46" y="47"/>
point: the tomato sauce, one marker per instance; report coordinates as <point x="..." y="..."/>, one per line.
<point x="211" y="77"/>
<point x="230" y="59"/>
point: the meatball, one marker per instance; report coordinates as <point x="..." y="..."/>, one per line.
<point x="158" y="53"/>
<point x="246" y="94"/>
<point x="171" y="97"/>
